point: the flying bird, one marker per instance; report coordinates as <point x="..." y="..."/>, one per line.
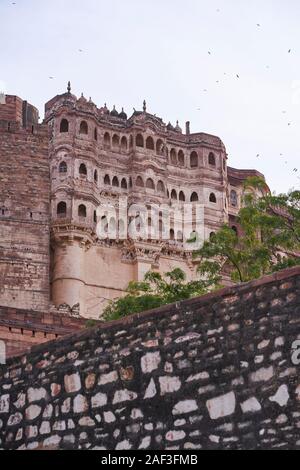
<point x="51" y="78"/>
<point x="237" y="76"/>
<point x="289" y="51"/>
<point x="258" y="25"/>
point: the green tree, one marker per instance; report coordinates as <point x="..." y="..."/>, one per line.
<point x="157" y="290"/>
<point x="269" y="237"/>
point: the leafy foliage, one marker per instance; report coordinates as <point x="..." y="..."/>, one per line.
<point x="157" y="290"/>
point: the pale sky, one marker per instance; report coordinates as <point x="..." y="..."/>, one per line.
<point x="159" y="50"/>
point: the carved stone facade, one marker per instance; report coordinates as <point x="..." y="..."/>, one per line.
<point x="89" y="156"/>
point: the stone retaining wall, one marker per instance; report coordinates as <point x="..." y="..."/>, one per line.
<point x="213" y="372"/>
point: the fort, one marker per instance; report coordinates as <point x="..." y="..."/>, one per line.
<point x="53" y="178"/>
<point x="213" y="372"/>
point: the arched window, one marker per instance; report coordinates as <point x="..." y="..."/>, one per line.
<point x="115" y="141"/>
<point x="233" y="198"/>
<point x="82" y="170"/>
<point x="181" y="196"/>
<point x="96" y="176"/>
<point x="139" y="182"/>
<point x="112" y="226"/>
<point x="124" y="184"/>
<point x="212" y="159"/>
<point x="64" y="126"/>
<point x="150" y="184"/>
<point x="95" y="134"/>
<point x="115" y="182"/>
<point x="139" y="140"/>
<point x="104" y="224"/>
<point x="107" y="140"/>
<point x="173" y="194"/>
<point x="161" y="227"/>
<point x="95" y="217"/>
<point x="82" y="210"/>
<point x="160" y="187"/>
<point x="194" y="197"/>
<point x="124" y="143"/>
<point x="172" y="234"/>
<point x="150" y="143"/>
<point x="61" y="209"/>
<point x="159" y="147"/>
<point x="194" y="160"/>
<point x="173" y="157"/>
<point x="212" y="236"/>
<point x="212" y="198"/>
<point x="179" y="235"/>
<point x="181" y="158"/>
<point x="234" y="228"/>
<point x="63" y="168"/>
<point x="83" y="128"/>
<point x="107" y="180"/>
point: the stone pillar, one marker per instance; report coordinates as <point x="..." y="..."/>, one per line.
<point x="68" y="274"/>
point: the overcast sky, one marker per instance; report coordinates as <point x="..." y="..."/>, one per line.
<point x="169" y="52"/>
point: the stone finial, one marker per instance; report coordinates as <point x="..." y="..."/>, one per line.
<point x="69" y="87"/>
<point x="187" y="128"/>
<point x="144" y="106"/>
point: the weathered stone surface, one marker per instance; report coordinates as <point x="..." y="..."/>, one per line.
<point x="4" y="403"/>
<point x="169" y="384"/>
<point x="80" y="404"/>
<point x="72" y="383"/>
<point x="262" y="375"/>
<point x="151" y="390"/>
<point x="184" y="407"/>
<point x="222" y="406"/>
<point x="108" y="378"/>
<point x="36" y="394"/>
<point x="251" y="405"/>
<point x="99" y="400"/>
<point x="282" y="396"/>
<point x="150" y="362"/>
<point x="123" y="396"/>
<point x="32" y="412"/>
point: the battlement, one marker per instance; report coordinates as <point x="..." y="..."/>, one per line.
<point x="16" y="113"/>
